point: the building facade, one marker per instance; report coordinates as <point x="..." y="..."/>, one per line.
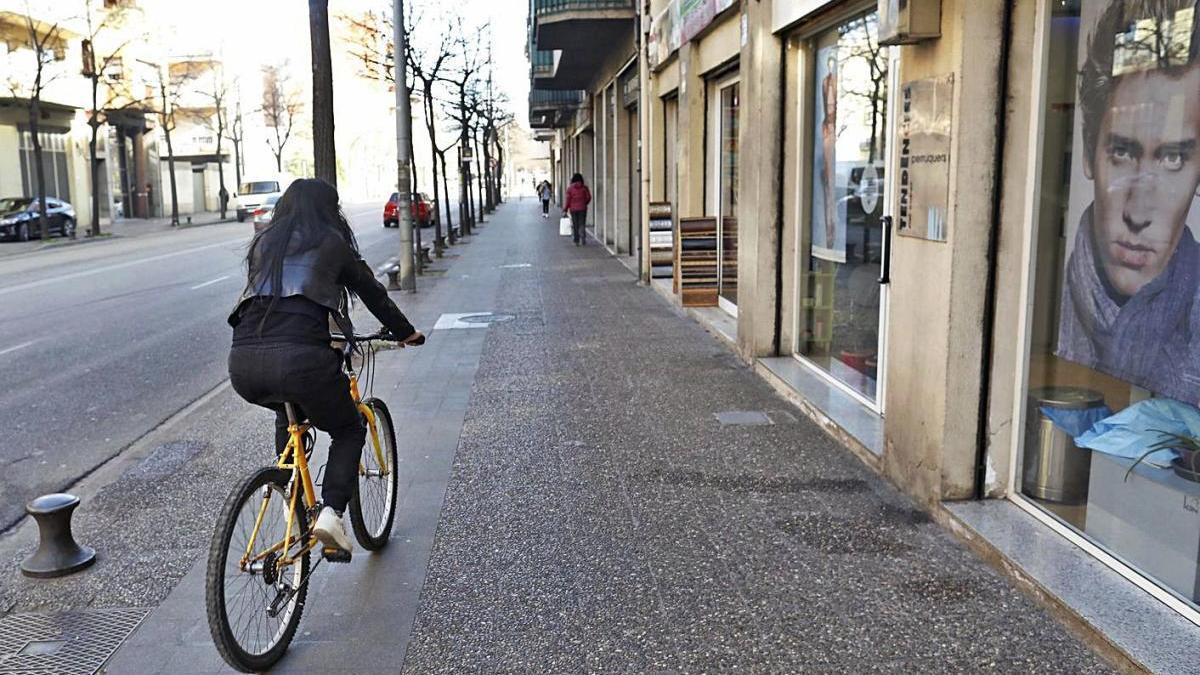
<point x="958" y="234"/>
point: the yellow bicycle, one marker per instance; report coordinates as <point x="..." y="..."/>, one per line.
<point x="258" y="561"/>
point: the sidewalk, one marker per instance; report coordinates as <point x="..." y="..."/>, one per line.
<point x="592" y="513"/>
<point x="125" y="227"/>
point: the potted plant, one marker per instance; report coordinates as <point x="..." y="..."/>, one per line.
<point x="1186" y="462"/>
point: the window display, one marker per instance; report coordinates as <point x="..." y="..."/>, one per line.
<point x="1116" y="306"/>
<point x="842" y="235"/>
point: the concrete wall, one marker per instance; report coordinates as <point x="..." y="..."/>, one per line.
<point x="938" y="290"/>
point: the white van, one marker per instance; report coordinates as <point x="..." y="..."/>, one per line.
<point x="254" y="191"/>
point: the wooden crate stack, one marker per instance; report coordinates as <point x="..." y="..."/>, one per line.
<point x="662" y="241"/>
<point x="696" y="262"/>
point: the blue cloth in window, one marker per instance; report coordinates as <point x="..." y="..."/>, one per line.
<point x="1131" y="432"/>
<point x="1075" y="422"/>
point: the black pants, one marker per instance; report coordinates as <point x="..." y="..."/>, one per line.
<point x="579" y="226"/>
<point x="545" y="206"/>
<point x="311" y="378"/>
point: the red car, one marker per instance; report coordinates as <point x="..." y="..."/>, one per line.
<point x="420" y="207"/>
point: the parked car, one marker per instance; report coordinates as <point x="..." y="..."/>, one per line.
<point x="262" y="214"/>
<point x="252" y="193"/>
<point x="19" y="218"/>
<point x="421" y="208"/>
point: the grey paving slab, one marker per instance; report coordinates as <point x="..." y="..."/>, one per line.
<point x="599" y="518"/>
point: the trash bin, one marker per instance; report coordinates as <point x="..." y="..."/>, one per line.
<point x="1055" y="469"/>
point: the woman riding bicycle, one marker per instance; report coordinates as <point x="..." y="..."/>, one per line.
<point x="303" y="269"/>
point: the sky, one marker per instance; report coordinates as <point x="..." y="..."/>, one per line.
<point x="251" y="33"/>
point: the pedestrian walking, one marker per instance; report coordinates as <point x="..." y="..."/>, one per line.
<point x="304" y="269"/>
<point x="545" y="193"/>
<point x="577" y="199"/>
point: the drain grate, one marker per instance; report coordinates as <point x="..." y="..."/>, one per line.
<point x="71" y="643"/>
<point x="753" y="418"/>
<point x="486" y="318"/>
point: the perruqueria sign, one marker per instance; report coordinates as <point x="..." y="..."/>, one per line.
<point x="924" y="158"/>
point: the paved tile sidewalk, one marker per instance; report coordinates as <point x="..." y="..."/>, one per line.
<point x="600" y="518"/>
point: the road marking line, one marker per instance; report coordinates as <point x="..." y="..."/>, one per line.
<point x="116" y="266"/>
<point x="209" y="283"/>
<point x="16" y="347"/>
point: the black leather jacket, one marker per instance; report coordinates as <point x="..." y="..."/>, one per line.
<point x="321" y="273"/>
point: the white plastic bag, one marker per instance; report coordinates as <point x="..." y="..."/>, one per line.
<point x="564" y="226"/>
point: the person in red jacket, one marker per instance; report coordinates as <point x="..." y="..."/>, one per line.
<point x="577" y="199"/>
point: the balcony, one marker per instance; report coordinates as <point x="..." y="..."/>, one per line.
<point x="579" y="35"/>
<point x="571" y="24"/>
<point x="541" y="64"/>
<point x="550" y="109"/>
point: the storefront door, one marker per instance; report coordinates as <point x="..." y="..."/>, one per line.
<point x="844" y="229"/>
<point x="723" y="187"/>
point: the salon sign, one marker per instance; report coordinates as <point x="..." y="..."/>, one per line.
<point x="923" y="175"/>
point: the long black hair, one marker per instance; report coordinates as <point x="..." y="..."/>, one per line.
<point x="304" y="216"/>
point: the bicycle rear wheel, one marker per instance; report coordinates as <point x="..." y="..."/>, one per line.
<point x="373" y="509"/>
<point x="254" y="603"/>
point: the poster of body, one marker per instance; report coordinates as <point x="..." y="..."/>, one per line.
<point x="828" y="212"/>
<point x="1131" y="283"/>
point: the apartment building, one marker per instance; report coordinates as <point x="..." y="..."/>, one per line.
<point x="937" y="226"/>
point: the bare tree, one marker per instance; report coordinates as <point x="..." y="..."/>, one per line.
<point x="218" y="123"/>
<point x="462" y="81"/>
<point x="372" y="45"/>
<point x="46" y="43"/>
<point x="324" y="153"/>
<point x="98" y="68"/>
<point x="171" y="79"/>
<point x="235" y="134"/>
<point x="281" y="106"/>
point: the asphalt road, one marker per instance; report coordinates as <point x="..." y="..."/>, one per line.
<point x="102" y="341"/>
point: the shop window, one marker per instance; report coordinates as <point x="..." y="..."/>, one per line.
<point x="54" y="164"/>
<point x="1112" y="428"/>
<point x="841" y="245"/>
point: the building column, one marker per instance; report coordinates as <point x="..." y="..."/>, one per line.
<point x="621" y="213"/>
<point x="690" y="144"/>
<point x="760" y="148"/>
<point x="141" y="196"/>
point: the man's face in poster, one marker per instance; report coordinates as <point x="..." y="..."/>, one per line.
<point x="1146" y="172"/>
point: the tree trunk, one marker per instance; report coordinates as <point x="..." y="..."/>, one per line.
<point x="439" y="242"/>
<point x="237" y="163"/>
<point x="487" y="167"/>
<point x="222" y="193"/>
<point x="324" y="155"/>
<point x="480" y="177"/>
<point x="35" y="114"/>
<point x="446" y="198"/>
<point x="171" y="172"/>
<point x="94" y="162"/>
<point x="499" y="172"/>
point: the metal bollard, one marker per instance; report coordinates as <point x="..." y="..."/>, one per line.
<point x="57" y="554"/>
<point x="393" y="275"/>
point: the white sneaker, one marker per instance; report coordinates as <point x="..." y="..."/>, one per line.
<point x="331" y="531"/>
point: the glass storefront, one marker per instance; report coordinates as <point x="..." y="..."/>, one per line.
<point x="842" y="246"/>
<point x="727" y="225"/>
<point x="1111" y="445"/>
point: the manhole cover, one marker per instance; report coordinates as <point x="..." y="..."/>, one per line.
<point x="485" y="318"/>
<point x="72" y="643"/>
<point x="743" y="418"/>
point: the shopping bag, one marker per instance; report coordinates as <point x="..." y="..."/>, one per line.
<point x="564" y="226"/>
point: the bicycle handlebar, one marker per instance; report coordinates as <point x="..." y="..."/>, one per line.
<point x="381" y="336"/>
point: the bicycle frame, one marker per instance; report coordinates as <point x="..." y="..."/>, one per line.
<point x="294" y="459"/>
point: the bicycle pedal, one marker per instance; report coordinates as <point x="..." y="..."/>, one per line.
<point x="336" y="555"/>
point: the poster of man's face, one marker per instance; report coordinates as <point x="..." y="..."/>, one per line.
<point x="1131" y="298"/>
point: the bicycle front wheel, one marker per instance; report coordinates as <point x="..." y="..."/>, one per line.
<point x="373" y="508"/>
<point x="253" y="596"/>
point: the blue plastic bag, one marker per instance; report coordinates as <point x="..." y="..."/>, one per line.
<point x="1131" y="432"/>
